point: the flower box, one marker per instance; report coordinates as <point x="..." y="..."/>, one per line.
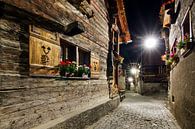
<point x="185" y="45"/>
<point x="186" y="49"/>
<point x="171" y="59"/>
<point x="69" y="69"/>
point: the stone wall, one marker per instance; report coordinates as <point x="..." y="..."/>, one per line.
<point x="29" y="101"/>
<point x="153" y="88"/>
<point x="182" y="92"/>
<point x="182" y="76"/>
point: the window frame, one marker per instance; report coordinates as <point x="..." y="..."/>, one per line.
<point x="78" y="48"/>
<point x="62" y="58"/>
<point x="187" y="16"/>
<point x="84" y="51"/>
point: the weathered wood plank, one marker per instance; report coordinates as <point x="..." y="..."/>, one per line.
<point x="27" y="101"/>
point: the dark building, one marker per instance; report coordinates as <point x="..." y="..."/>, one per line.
<point x="53" y="62"/>
<point x="178" y="17"/>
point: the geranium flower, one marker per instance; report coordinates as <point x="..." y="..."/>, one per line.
<point x="62" y="63"/>
<point x="89" y="66"/>
<point x="186" y="37"/>
<point x="68" y="62"/>
<point x="172" y="54"/>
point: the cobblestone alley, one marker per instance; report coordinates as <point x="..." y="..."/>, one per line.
<point x="138" y="112"/>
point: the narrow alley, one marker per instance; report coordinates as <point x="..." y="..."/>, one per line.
<point x="97" y="64"/>
<point x="139" y="112"/>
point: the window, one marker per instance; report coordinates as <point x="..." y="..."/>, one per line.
<point x="83" y="6"/>
<point x="72" y="52"/>
<point x="115" y="38"/>
<point x="89" y="1"/>
<point x="187" y="27"/>
<point x="186" y="43"/>
<point x="84" y="57"/>
<point x="75" y="61"/>
<point x="68" y="52"/>
<point x="174" y="47"/>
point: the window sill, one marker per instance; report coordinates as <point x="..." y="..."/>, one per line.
<point x="57" y="77"/>
<point x="73" y="78"/>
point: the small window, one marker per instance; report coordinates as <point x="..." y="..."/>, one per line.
<point x="72" y="52"/>
<point x="173" y="99"/>
<point x="84" y="57"/>
<point x="174" y="47"/>
<point x="115" y="37"/>
<point x="83" y="6"/>
<point x="187" y="27"/>
<point x="75" y="61"/>
<point x="89" y="1"/>
<point x="68" y="52"/>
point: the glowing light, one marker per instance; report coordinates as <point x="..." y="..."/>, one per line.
<point x="130" y="79"/>
<point x="134" y="71"/>
<point x="150" y="42"/>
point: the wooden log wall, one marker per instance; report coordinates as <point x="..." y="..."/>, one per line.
<point x="27" y="101"/>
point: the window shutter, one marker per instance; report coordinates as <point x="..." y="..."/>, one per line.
<point x="44" y="51"/>
<point x="95" y="66"/>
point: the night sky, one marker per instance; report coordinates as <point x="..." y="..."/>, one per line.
<point x="143" y="16"/>
<point x="143" y="20"/>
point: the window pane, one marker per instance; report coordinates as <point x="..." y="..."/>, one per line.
<point x="186" y="28"/>
<point x="68" y="52"/>
<point x="186" y="25"/>
<point x="84" y="57"/>
<point x="71" y="53"/>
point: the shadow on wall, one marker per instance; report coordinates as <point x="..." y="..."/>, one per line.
<point x="24" y="52"/>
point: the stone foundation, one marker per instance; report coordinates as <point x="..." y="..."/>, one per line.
<point x="80" y="119"/>
<point x="152" y="88"/>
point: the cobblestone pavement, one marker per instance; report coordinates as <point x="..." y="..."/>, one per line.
<point x="138" y="112"/>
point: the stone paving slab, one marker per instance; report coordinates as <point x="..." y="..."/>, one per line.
<point x="138" y="112"/>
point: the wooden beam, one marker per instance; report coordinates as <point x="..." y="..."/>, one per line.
<point x="83" y="6"/>
<point x="25" y="17"/>
<point x="74" y="28"/>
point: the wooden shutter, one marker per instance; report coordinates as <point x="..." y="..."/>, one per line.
<point x="95" y="66"/>
<point x="44" y="51"/>
<point x="167" y="19"/>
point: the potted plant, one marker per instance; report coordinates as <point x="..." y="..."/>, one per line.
<point x="83" y="71"/>
<point x="185" y="43"/>
<point x="174" y="58"/>
<point x="181" y="44"/>
<point x="167" y="58"/>
<point x="67" y="68"/>
<point x="72" y="69"/>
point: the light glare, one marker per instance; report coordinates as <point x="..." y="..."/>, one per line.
<point x="133" y="71"/>
<point x="130" y="79"/>
<point x="150" y="42"/>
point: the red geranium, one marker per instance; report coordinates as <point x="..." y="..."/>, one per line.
<point x="172" y="54"/>
<point x="62" y="63"/>
<point x="68" y="62"/>
<point x="89" y="66"/>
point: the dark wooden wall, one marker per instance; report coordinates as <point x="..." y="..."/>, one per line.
<point x="27" y="101"/>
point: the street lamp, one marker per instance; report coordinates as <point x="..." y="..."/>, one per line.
<point x="130" y="79"/>
<point x="150" y="42"/>
<point x="134" y="71"/>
